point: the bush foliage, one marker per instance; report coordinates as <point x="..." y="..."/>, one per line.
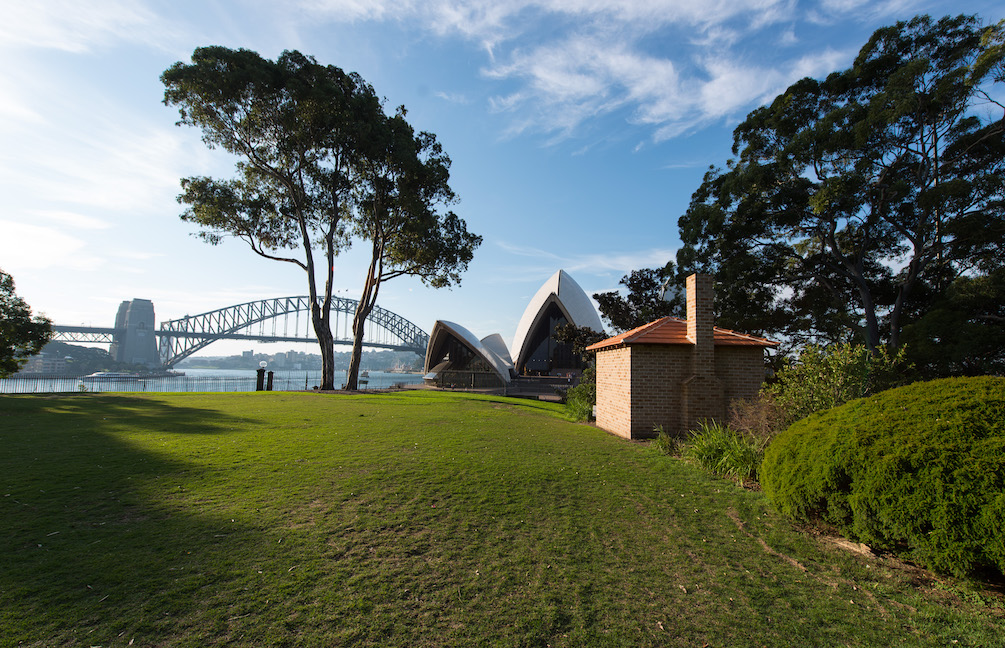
<point x="579" y="400"/>
<point x="918" y="470"/>
<point x="825" y="377"/>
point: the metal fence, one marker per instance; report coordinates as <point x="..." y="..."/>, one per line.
<point x="48" y="384"/>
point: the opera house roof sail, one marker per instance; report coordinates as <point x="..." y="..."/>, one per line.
<point x="559" y="298"/>
<point x="453" y="349"/>
<point x="455" y="356"/>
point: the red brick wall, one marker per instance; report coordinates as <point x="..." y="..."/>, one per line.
<point x="657" y="373"/>
<point x="645" y="385"/>
<point x="639" y="387"/>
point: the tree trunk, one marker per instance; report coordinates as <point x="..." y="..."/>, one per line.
<point x="915" y="268"/>
<point x="358" y="329"/>
<point x="321" y="312"/>
<point x="871" y="321"/>
<point x="322" y="330"/>
<point x="363" y="309"/>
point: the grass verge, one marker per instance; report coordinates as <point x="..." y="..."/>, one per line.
<point x="413" y="519"/>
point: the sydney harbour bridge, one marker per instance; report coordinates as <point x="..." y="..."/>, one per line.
<point x="134" y="339"/>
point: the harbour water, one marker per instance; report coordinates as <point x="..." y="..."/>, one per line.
<point x="195" y="380"/>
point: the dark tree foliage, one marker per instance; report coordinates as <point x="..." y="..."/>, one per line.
<point x="652" y="293"/>
<point x="855" y="200"/>
<point x="963" y="333"/>
<point x="579" y="337"/>
<point x="22" y="335"/>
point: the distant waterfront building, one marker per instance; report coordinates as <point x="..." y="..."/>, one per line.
<point x="455" y="356"/>
<point x="45" y="364"/>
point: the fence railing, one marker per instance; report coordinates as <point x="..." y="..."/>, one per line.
<point x="48" y="384"/>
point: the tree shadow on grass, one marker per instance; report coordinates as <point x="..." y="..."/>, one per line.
<point x="99" y="537"/>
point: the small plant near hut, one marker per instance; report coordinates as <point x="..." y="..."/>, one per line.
<point x="580" y="400"/>
<point x="665" y="443"/>
<point x="725" y="452"/>
<point x="717" y="448"/>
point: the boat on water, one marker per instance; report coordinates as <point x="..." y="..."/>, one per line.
<point x="120" y="375"/>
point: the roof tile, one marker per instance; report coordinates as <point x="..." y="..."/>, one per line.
<point x="673" y="330"/>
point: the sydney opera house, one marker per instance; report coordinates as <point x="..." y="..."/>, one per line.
<point x="455" y="356"/>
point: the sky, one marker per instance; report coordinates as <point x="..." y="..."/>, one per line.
<point x="577" y="130"/>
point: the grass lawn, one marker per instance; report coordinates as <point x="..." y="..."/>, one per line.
<point x="413" y="519"/>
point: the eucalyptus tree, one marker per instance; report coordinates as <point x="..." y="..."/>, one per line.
<point x="402" y="196"/>
<point x="22" y="334"/>
<point x="298" y="130"/>
<point x="853" y="199"/>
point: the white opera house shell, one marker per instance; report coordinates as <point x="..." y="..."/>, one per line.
<point x="456" y="357"/>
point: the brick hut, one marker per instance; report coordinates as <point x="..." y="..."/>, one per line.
<point x="673" y="372"/>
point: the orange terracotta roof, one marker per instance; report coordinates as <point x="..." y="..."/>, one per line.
<point x="672" y="330"/>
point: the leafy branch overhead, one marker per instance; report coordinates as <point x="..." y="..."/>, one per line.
<point x="853" y="199"/>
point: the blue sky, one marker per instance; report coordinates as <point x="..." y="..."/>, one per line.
<point x="578" y="130"/>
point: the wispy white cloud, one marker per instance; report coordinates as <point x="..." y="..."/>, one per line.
<point x="539" y="262"/>
<point x="671" y="65"/>
<point x="832" y="11"/>
<point x="73" y="26"/>
<point x="25" y="247"/>
<point x="453" y="97"/>
<point x="353" y="10"/>
<point x="69" y="219"/>
<point x="568" y="83"/>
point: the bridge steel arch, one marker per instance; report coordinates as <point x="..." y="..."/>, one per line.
<point x="182" y="337"/>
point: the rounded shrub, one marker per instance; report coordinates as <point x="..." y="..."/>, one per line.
<point x="918" y="470"/>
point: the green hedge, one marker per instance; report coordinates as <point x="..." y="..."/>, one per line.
<point x="919" y="470"/>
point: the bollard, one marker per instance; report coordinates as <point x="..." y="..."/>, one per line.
<point x="268" y="386"/>
<point x="261" y="379"/>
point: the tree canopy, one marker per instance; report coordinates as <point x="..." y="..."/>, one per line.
<point x="405" y="183"/>
<point x="853" y="201"/>
<point x="319" y="162"/>
<point x="652" y="293"/>
<point x="962" y="333"/>
<point x="22" y="334"/>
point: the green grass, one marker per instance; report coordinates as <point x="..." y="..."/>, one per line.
<point x="413" y="519"/>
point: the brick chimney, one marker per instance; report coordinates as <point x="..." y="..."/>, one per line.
<point x="702" y="394"/>
<point x="700" y="320"/>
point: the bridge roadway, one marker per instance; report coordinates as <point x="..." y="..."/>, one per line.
<point x="182" y="337"/>
<point x="100" y="335"/>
